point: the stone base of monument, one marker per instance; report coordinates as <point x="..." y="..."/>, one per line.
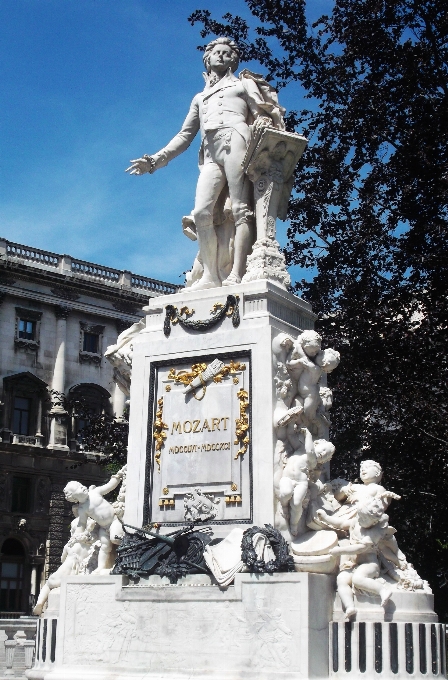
<point x="264" y="627"/>
<point x="202" y="450"/>
<point x="280" y="626"/>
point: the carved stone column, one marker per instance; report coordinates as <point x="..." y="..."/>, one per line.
<point x="33" y="586"/>
<point x="55" y="540"/>
<point x="58" y="414"/>
<point x="39" y="435"/>
<point x="270" y="162"/>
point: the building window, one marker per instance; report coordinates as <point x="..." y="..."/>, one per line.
<point x="90" y="343"/>
<point x="27" y="329"/>
<point x="11" y="573"/>
<point x="21" y="494"/>
<point x="86" y="400"/>
<point x="21" y="416"/>
<point x="24" y="396"/>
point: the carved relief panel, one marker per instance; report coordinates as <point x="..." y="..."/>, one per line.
<point x="199" y="452"/>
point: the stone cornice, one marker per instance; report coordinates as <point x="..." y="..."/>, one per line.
<point x="86" y="308"/>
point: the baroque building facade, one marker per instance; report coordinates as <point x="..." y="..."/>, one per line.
<point x="58" y="315"/>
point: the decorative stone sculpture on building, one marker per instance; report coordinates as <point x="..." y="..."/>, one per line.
<point x="246" y="158"/>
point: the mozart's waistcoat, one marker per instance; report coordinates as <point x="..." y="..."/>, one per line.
<point x="224" y="105"/>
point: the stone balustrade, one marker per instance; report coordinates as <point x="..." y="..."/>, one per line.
<point x="19" y="252"/>
<point x="152" y="285"/>
<point x="80" y="269"/>
<point x="20" y="633"/>
<point x="96" y="271"/>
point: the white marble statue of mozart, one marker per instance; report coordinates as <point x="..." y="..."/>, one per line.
<point x="227" y="113"/>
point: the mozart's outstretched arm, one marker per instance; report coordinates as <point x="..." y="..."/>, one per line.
<point x="179" y="143"/>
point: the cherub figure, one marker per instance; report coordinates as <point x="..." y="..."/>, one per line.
<point x="91" y="503"/>
<point x="360" y="562"/>
<point x="293" y="484"/>
<point x="74" y="552"/>
<point x="306" y="365"/>
<point x="350" y="495"/>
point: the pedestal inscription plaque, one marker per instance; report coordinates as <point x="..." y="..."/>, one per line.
<point x="199" y="441"/>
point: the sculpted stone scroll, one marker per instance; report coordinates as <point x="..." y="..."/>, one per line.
<point x="243" y="142"/>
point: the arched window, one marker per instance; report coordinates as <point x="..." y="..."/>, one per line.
<point x="12" y="565"/>
<point x="24" y="394"/>
<point x="86" y="399"/>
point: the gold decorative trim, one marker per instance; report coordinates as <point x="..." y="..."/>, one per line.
<point x="233" y="499"/>
<point x="234" y="486"/>
<point x="166" y="502"/>
<point x="184" y="311"/>
<point x="165" y="491"/>
<point x="187" y="377"/>
<point x="242" y="424"/>
<point x="218" y="306"/>
<point x="158" y="432"/>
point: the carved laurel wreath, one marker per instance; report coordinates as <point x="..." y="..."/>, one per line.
<point x="283" y="560"/>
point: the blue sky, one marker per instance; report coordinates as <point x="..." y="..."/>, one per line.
<point x="86" y="86"/>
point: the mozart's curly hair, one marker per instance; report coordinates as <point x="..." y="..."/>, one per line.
<point x="222" y="41"/>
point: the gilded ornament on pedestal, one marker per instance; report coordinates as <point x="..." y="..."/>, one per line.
<point x="158" y="431"/>
<point x="187" y="377"/>
<point x="242" y="424"/>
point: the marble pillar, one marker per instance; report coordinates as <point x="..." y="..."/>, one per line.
<point x="58" y="413"/>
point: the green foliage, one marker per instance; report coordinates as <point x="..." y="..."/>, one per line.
<point x="369" y="216"/>
<point x="102" y="433"/>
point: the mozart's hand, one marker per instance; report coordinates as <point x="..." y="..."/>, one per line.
<point x="140" y="166"/>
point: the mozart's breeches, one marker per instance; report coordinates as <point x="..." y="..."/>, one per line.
<point x="224" y="151"/>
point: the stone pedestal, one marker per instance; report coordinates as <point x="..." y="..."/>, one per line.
<point x="201" y="449"/>
<point x="218" y="438"/>
<point x="262" y="627"/>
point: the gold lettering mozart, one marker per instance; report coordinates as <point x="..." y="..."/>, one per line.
<point x="196" y="426"/>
